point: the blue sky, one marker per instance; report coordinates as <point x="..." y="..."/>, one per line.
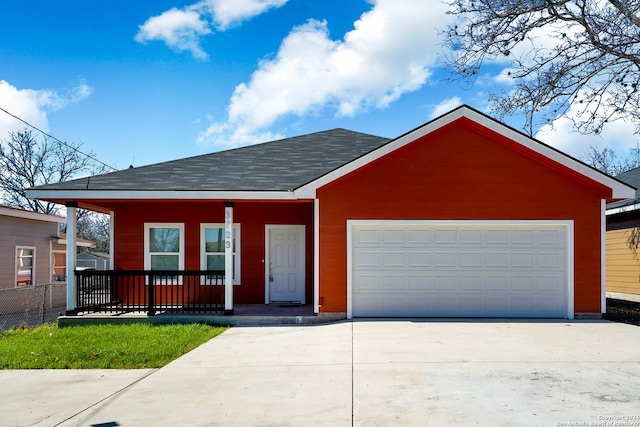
<point x="140" y="82"/>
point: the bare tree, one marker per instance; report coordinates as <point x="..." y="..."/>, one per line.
<point x="96" y="228"/>
<point x="26" y="162"/>
<point x="561" y="53"/>
<point x="608" y="161"/>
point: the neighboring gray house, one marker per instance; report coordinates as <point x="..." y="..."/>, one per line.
<point x="29" y="248"/>
<point x="94" y="260"/>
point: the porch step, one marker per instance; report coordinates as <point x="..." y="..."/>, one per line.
<point x="232" y="320"/>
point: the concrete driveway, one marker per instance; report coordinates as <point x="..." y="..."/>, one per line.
<point x="364" y="373"/>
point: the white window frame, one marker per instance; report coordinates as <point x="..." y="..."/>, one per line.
<point x="17" y="267"/>
<point x="147" y="254"/>
<point x="237" y="253"/>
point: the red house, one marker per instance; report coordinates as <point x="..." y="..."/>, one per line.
<point x="461" y="217"/>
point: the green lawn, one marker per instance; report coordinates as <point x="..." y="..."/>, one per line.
<point x="132" y="346"/>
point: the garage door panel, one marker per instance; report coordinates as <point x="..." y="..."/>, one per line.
<point x="446" y="282"/>
<point x="525" y="304"/>
<point x="550" y="259"/>
<point x="551" y="283"/>
<point x="523" y="283"/>
<point x="466" y="270"/>
<point x="472" y="282"/>
<point x="444" y="236"/>
<point x="443" y="305"/>
<point x="420" y="282"/>
<point x="367" y="237"/>
<point x="367" y="259"/>
<point x="394" y="282"/>
<point x="498" y="259"/>
<point x="499" y="305"/>
<point x="368" y="282"/>
<point x="523" y="259"/>
<point x="551" y="238"/>
<point x="369" y="305"/>
<point x="420" y="258"/>
<point x="498" y="282"/>
<point x="394" y="303"/>
<point x="420" y="236"/>
<point x="472" y="259"/>
<point x="446" y="259"/>
<point x="471" y="237"/>
<point x="548" y="306"/>
<point x="416" y="305"/>
<point x="394" y="259"/>
<point x="394" y="237"/>
<point x="497" y="237"/>
<point x="522" y="237"/>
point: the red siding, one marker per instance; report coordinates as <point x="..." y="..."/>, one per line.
<point x="461" y="171"/>
<point x="130" y="217"/>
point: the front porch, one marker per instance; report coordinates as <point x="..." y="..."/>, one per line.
<point x="161" y="297"/>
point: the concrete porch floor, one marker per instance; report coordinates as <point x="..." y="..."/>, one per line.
<point x="243" y="314"/>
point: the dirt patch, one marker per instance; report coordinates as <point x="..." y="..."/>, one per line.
<point x="623" y="311"/>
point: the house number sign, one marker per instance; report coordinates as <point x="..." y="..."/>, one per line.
<point x="228" y="227"/>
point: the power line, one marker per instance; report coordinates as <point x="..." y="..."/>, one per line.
<point x="58" y="140"/>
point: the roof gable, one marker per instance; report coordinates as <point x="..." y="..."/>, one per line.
<point x="619" y="189"/>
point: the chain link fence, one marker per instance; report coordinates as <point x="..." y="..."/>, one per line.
<point x="31" y="305"/>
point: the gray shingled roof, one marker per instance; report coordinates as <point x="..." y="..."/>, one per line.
<point x="631" y="177"/>
<point x="282" y="165"/>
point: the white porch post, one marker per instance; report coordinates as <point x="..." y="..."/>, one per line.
<point x="316" y="256"/>
<point x="72" y="220"/>
<point x="603" y="256"/>
<point x="111" y="240"/>
<point x="228" y="258"/>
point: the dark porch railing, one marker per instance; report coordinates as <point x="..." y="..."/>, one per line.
<point x="124" y="291"/>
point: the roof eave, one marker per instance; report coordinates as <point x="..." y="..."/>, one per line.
<point x="623" y="209"/>
<point x="19" y="213"/>
<point x="73" y="195"/>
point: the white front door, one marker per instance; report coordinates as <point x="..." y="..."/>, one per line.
<point x="285" y="272"/>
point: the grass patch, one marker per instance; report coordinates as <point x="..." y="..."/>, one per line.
<point x="134" y="346"/>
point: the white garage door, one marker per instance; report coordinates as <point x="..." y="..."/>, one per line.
<point x="461" y="269"/>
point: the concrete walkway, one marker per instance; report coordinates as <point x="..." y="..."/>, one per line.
<point x="365" y="373"/>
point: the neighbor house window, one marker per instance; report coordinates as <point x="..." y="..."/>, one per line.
<point x="24" y="265"/>
<point x="212" y="248"/>
<point x="164" y="246"/>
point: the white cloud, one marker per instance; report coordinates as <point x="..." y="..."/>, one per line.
<point x="446" y="106"/>
<point x="226" y="13"/>
<point x="182" y="29"/>
<point x="179" y="29"/>
<point x="32" y="105"/>
<point x="387" y="54"/>
<point x="618" y="135"/>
